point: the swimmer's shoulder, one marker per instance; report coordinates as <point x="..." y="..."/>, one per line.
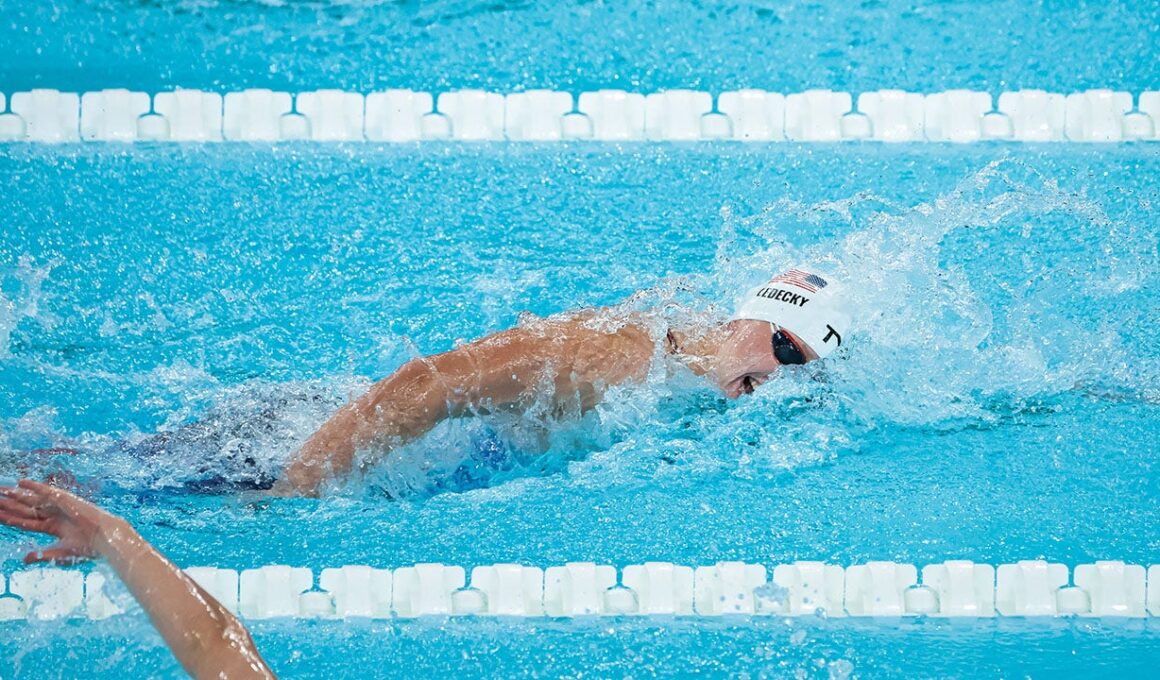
<point x="635" y="324"/>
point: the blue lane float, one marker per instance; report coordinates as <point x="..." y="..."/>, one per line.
<point x="257" y="115"/>
<point x="885" y="590"/>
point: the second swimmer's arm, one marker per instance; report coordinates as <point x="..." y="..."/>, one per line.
<point x="205" y="637"/>
<point x="413" y="400"/>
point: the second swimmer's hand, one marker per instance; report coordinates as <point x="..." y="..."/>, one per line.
<point x="79" y="526"/>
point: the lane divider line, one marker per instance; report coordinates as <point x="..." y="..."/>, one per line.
<point x="955" y="588"/>
<point x="747" y="115"/>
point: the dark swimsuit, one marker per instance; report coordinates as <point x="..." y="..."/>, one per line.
<point x="224" y="453"/>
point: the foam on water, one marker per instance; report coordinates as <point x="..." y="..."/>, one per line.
<point x="24" y="283"/>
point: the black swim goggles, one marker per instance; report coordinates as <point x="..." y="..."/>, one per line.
<point x="785" y="350"/>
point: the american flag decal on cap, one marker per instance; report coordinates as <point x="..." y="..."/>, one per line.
<point x="804" y="280"/>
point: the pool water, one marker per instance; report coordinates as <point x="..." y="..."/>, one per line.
<point x="998" y="400"/>
<point x="578" y="45"/>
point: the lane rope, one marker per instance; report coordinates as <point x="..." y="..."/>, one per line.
<point x="748" y="115"/>
<point x="955" y="588"/>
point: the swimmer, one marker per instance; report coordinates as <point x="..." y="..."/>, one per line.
<point x="206" y="638"/>
<point x="571" y="359"/>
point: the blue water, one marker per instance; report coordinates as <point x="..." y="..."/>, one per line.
<point x="999" y="400"/>
<point x="575" y="45"/>
<point x="481" y="648"/>
<point x="1001" y="407"/>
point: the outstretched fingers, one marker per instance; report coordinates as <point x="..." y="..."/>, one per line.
<point x="37" y="507"/>
<point x="39" y="526"/>
<point x="32" y="501"/>
<point x="19" y="509"/>
<point x="43" y="491"/>
<point x="22" y="494"/>
<point x="58" y="499"/>
<point x="56" y="554"/>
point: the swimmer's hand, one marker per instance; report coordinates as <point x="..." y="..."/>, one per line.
<point x="81" y="528"/>
<point x="206" y="638"/>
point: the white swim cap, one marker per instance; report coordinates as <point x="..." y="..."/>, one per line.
<point x="802" y="302"/>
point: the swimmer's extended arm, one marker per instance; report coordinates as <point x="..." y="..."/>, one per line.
<point x="495" y="371"/>
<point x="205" y="637"/>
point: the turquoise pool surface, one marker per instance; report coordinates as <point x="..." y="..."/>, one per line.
<point x="998" y="401"/>
<point x="575" y="45"/>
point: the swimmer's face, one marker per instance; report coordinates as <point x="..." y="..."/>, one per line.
<point x="745" y="359"/>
